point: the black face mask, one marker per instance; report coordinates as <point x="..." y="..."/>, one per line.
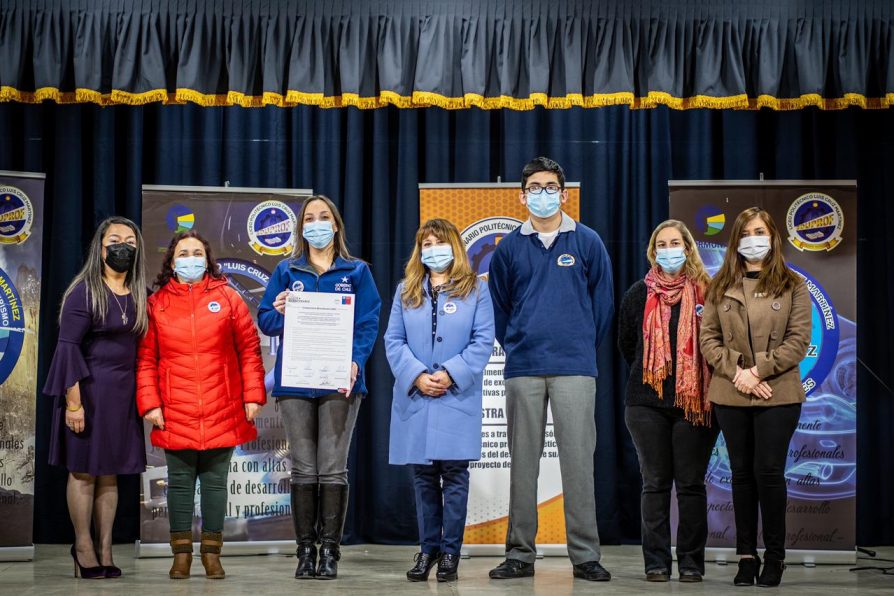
<point x="119" y="257"/>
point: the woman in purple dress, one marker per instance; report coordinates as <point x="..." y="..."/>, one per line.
<point x="96" y="431"/>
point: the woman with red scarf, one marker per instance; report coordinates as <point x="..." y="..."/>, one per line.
<point x="667" y="411"/>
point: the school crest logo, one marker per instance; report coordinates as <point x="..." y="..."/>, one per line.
<point x="16" y="215"/>
<point x="565" y="260"/>
<point x="815" y="222"/>
<point x="271" y="228"/>
<point x="481" y="239"/>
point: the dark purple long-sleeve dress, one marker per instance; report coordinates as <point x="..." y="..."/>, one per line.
<point x="101" y="356"/>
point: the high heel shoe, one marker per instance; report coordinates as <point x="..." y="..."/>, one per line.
<point x="98" y="572"/>
<point x="112" y="571"/>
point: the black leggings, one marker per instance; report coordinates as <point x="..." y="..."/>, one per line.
<point x="757" y="440"/>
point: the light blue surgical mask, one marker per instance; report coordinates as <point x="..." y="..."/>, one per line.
<point x="671" y="259"/>
<point x="543" y="203"/>
<point x="437" y="257"/>
<point x="318" y="233"/>
<point x="190" y="269"/>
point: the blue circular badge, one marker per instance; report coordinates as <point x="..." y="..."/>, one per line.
<point x="214" y="306"/>
<point x="271" y="228"/>
<point x="16" y="215"/>
<point x="12" y="326"/>
<point x="815" y="222"/>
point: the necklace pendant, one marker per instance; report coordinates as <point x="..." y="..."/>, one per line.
<point x="124" y="318"/>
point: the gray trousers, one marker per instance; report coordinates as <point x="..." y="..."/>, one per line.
<point x="573" y="403"/>
<point x="319" y="432"/>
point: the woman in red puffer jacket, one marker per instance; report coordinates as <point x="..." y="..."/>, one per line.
<point x="200" y="383"/>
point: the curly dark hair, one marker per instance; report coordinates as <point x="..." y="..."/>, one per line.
<point x="167" y="264"/>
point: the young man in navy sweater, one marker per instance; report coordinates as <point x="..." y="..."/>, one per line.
<point x="551" y="285"/>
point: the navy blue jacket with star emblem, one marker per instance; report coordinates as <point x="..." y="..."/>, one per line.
<point x="345" y="276"/>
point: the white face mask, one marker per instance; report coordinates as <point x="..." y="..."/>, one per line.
<point x="754" y="248"/>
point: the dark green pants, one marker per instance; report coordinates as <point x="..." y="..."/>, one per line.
<point x="211" y="468"/>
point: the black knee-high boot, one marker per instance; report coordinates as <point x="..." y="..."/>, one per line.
<point x="333" y="508"/>
<point x="304" y="518"/>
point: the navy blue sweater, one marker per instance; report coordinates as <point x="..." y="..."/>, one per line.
<point x="552" y="307"/>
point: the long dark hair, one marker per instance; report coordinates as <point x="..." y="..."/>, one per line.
<point x="775" y="276"/>
<point x="167" y="264"/>
<point x="339" y="245"/>
<point x="92" y="275"/>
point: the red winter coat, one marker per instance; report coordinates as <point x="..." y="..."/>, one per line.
<point x="200" y="362"/>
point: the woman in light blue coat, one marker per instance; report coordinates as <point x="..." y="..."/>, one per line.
<point x="439" y="339"/>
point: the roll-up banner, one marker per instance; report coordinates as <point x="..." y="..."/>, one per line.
<point x="817" y="220"/>
<point x="484" y="213"/>
<point x="21" y="240"/>
<point x="250" y="230"/>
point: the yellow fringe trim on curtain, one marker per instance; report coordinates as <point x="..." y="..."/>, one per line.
<point x="424" y="99"/>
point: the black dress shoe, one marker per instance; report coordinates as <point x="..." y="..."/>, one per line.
<point x="592" y="571"/>
<point x="771" y="574"/>
<point x="749" y="569"/>
<point x="424" y="563"/>
<point x="511" y="569"/>
<point x="690" y="576"/>
<point x="657" y="575"/>
<point x="447" y="567"/>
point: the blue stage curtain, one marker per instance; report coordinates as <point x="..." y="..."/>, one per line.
<point x="782" y="54"/>
<point x="370" y="163"/>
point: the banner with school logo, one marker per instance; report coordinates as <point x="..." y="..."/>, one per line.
<point x="21" y="239"/>
<point x="484" y="213"/>
<point x="818" y="224"/>
<point x="250" y="231"/>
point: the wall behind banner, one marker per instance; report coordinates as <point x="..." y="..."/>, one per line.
<point x="371" y="163"/>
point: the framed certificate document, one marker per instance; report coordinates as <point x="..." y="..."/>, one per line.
<point x="318" y="340"/>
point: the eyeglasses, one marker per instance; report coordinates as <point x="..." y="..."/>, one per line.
<point x="536" y="189"/>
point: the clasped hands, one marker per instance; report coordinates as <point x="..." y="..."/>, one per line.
<point x="434" y="385"/>
<point x="747" y="381"/>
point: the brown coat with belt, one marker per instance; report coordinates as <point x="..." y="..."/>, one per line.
<point x="780" y="328"/>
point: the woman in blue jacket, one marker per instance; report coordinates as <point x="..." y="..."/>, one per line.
<point x="439" y="339"/>
<point x="319" y="423"/>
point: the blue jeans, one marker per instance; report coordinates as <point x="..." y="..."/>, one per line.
<point x="442" y="493"/>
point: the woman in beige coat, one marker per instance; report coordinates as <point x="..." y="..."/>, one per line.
<point x="755" y="332"/>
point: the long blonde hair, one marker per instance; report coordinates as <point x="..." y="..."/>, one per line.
<point x="92" y="276"/>
<point x="694" y="269"/>
<point x="462" y="279"/>
<point x="339" y="245"/>
<point x="775" y="277"/>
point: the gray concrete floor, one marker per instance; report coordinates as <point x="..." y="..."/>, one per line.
<point x="373" y="569"/>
